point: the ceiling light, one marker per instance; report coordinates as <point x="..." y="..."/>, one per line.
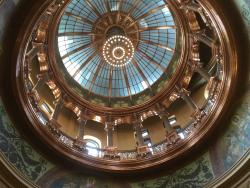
<point x="118" y="51"/>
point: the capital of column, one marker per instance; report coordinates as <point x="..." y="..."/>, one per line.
<point x="36" y="47"/>
<point x="202" y="37"/>
<point x="195" y="51"/>
<point x="44" y="76"/>
<point x="54" y="7"/>
<point x="163" y="114"/>
<point x="185" y="95"/>
<point x="137" y="124"/>
<point x="197" y="35"/>
<point x="161" y="110"/>
<point x="81" y="127"/>
<point x="58" y="106"/>
<point x="184" y="92"/>
<point x="81" y="121"/>
<point x="190" y="5"/>
<point x="195" y="65"/>
<point x="109" y="126"/>
<point x="60" y="101"/>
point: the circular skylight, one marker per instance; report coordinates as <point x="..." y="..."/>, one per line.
<point x="118" y="48"/>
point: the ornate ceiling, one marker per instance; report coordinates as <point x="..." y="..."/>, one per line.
<point x="120" y="63"/>
<point x="150" y="33"/>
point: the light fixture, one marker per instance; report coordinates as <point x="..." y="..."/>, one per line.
<point x="118" y="51"/>
<point x="97" y="118"/>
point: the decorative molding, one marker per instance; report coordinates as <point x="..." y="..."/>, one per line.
<point x="13" y="176"/>
<point x="232" y="177"/>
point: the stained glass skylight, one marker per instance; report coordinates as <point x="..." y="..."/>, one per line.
<point x="87" y="25"/>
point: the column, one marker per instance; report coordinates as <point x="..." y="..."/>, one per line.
<point x="168" y="128"/>
<point x="203" y="73"/>
<point x="81" y="128"/>
<point x="109" y="128"/>
<point x="185" y="95"/>
<point x="33" y="52"/>
<point x="137" y="127"/>
<point x="163" y="114"/>
<point x="58" y="108"/>
<point x="79" y="142"/>
<point x="200" y="36"/>
<point x="195" y="63"/>
<point x="190" y="5"/>
<point x="42" y="78"/>
<point x="197" y="67"/>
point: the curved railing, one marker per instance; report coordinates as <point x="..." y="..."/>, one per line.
<point x="124" y="155"/>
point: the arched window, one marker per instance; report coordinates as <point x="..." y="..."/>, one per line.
<point x="93" y="145"/>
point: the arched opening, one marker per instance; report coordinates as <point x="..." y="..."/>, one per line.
<point x="93" y="145"/>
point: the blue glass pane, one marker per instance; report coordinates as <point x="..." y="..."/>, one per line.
<point x="84" y="60"/>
